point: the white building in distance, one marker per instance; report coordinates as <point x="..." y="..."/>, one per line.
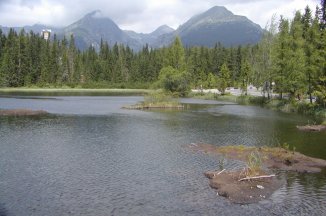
<point x="46" y="34"/>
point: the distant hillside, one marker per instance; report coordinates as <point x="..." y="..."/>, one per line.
<point x="206" y="29"/>
<point x="150" y="38"/>
<point x="93" y="27"/>
<point x="215" y="25"/>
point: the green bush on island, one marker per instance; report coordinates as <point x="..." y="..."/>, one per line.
<point x="158" y="100"/>
<point x="174" y="81"/>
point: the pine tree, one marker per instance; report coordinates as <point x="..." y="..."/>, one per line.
<point x="280" y="57"/>
<point x="296" y="73"/>
<point x="176" y="56"/>
<point x="34" y="52"/>
<point x="224" y="78"/>
<point x="2" y="48"/>
<point x="245" y="76"/>
<point x="323" y="14"/>
<point x="10" y="61"/>
<point x="72" y="52"/>
<point x="311" y="35"/>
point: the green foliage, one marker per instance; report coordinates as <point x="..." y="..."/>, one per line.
<point x="224" y="78"/>
<point x="221" y="162"/>
<point x="245" y="76"/>
<point x="254" y="163"/>
<point x="159" y="98"/>
<point x="174" y="81"/>
<point x="285" y="146"/>
<point x="211" y="81"/>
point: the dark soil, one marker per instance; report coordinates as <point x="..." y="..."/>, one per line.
<point x="228" y="185"/>
<point x="22" y="112"/>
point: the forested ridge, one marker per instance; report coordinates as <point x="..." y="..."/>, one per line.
<point x="290" y="59"/>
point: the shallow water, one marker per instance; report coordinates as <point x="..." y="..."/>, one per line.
<point x="89" y="157"/>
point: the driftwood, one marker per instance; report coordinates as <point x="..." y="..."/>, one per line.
<point x="316" y="128"/>
<point x="257" y="177"/>
<point x="219" y="172"/>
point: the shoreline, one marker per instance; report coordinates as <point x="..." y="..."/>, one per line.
<point x="284" y="105"/>
<point x="22" y="112"/>
<point x="72" y="90"/>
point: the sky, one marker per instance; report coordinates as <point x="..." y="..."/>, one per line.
<point x="140" y="15"/>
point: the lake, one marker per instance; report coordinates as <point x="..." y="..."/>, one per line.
<point x="90" y="157"/>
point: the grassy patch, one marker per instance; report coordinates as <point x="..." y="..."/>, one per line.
<point x="158" y="100"/>
<point x="254" y="164"/>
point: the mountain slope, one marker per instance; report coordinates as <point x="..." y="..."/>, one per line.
<point x="213" y="26"/>
<point x="206" y="29"/>
<point x="151" y="37"/>
<point x="93" y="27"/>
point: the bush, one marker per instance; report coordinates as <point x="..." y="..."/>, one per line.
<point x="174" y="81"/>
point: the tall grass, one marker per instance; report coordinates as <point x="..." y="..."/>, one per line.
<point x="254" y="164"/>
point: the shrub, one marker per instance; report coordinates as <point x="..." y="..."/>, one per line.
<point x="174" y="81"/>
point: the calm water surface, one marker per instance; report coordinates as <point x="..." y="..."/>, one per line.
<point x="89" y="157"/>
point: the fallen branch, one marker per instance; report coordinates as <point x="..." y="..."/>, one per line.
<point x="257" y="177"/>
<point x="219" y="173"/>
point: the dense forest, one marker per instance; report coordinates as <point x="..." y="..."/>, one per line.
<point x="290" y="59"/>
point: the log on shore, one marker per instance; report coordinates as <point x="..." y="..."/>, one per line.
<point x="316" y="128"/>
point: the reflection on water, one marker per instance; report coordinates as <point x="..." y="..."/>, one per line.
<point x="93" y="158"/>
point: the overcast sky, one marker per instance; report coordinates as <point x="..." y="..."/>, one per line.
<point x="140" y="15"/>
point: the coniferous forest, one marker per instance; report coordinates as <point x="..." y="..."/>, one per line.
<point x="290" y="59"/>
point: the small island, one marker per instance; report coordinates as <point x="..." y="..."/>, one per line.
<point x="22" y="112"/>
<point x="157" y="100"/>
<point x="313" y="128"/>
<point x="257" y="180"/>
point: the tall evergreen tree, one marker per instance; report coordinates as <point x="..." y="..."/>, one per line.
<point x="311" y="35"/>
<point x="280" y="56"/>
<point x="224" y="78"/>
<point x="176" y="55"/>
<point x="296" y="71"/>
<point x="10" y="61"/>
<point x="245" y="76"/>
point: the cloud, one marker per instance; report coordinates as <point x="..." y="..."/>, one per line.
<point x="139" y="15"/>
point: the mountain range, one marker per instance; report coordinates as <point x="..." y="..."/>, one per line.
<point x="206" y="29"/>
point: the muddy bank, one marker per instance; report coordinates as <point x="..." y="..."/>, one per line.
<point x="22" y="112"/>
<point x="253" y="184"/>
<point x="278" y="158"/>
<point x="316" y="128"/>
<point x="228" y="185"/>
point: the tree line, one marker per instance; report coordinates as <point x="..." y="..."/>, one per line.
<point x="289" y="59"/>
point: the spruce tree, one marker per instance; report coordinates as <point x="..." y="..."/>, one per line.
<point x="280" y="57"/>
<point x="296" y="70"/>
<point x="224" y="78"/>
